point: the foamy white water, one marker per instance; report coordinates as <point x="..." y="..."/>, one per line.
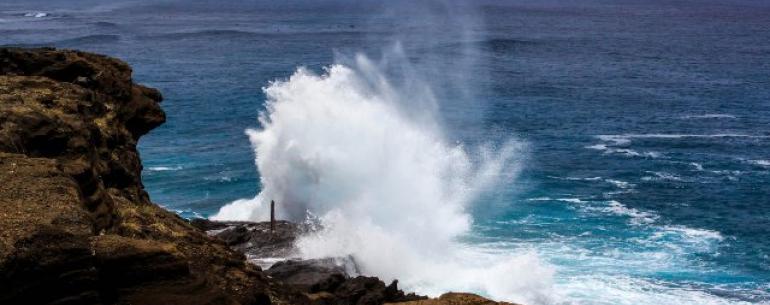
<point x="163" y="168"/>
<point x="386" y="186"/>
<point x="389" y="190"/>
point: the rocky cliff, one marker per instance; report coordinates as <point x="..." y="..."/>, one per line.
<point x="76" y="225"/>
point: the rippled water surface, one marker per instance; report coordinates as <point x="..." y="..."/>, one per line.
<point x="644" y="125"/>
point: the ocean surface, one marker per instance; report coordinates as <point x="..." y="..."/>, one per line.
<point x="543" y="152"/>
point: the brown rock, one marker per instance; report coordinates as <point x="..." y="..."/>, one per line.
<point x="45" y="254"/>
<point x="76" y="226"/>
<point x="454" y="298"/>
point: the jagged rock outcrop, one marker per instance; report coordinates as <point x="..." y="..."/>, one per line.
<point x="310" y="275"/>
<point x="324" y="281"/>
<point x="76" y="226"/>
<point x="254" y="238"/>
<point x="360" y="290"/>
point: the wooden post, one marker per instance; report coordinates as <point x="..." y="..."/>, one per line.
<point x="272" y="216"/>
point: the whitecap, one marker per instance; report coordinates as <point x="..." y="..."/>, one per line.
<point x="219" y="179"/>
<point x="36" y="14"/>
<point x="540" y="199"/>
<point x="613" y="193"/>
<point x="632" y="153"/>
<point x="597" y="147"/>
<point x="763" y="163"/>
<point x="163" y="168"/>
<point x="570" y="200"/>
<point x="710" y="116"/>
<point x="625" y="138"/>
<point x="615" y="139"/>
<point x="577" y="178"/>
<point x="692" y="234"/>
<point x="661" y="176"/>
<point x="194" y="214"/>
<point x="222" y="177"/>
<point x="686" y="240"/>
<point x="609" y="148"/>
<point x="619" y="183"/>
<point x="728" y="172"/>
<point x="637" y="217"/>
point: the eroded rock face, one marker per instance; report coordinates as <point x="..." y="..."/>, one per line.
<point x="76" y="226"/>
<point x="45" y="253"/>
<point x="84" y="111"/>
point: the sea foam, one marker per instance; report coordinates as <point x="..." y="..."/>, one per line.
<point x="367" y="158"/>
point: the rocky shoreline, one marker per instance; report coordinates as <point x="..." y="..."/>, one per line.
<point x="334" y="280"/>
<point x="77" y="226"/>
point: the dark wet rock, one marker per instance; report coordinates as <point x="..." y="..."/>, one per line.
<point x="364" y="290"/>
<point x="309" y="275"/>
<point x="326" y="281"/>
<point x="255" y="239"/>
<point x="206" y="225"/>
<point x="329" y="283"/>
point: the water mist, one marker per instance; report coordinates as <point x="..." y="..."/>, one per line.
<point x="386" y="186"/>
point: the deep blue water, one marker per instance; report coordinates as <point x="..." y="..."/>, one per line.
<point x="646" y="123"/>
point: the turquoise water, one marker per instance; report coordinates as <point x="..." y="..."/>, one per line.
<point x="644" y="170"/>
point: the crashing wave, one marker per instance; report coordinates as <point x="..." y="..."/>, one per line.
<point x="387" y="187"/>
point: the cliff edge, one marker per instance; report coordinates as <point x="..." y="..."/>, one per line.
<point x="77" y="227"/>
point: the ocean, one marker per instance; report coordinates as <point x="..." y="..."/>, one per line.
<point x="541" y="152"/>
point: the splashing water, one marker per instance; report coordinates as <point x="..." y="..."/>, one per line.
<point x="386" y="186"/>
